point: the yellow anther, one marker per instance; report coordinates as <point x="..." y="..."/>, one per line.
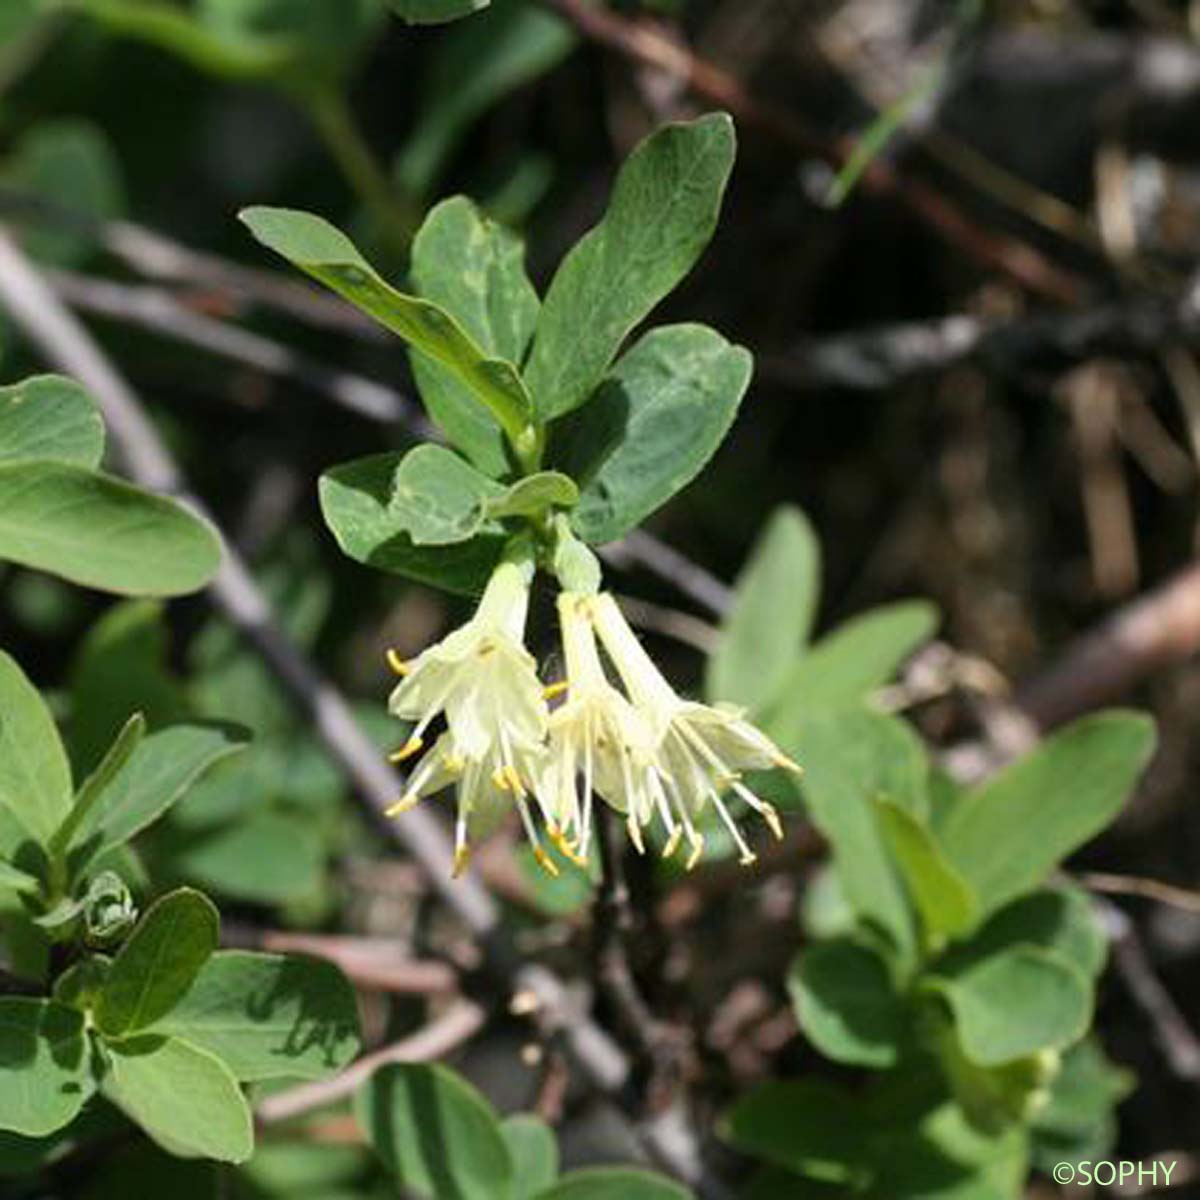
<point x="397" y="663"/>
<point x="748" y="859"/>
<point x="453" y="764"/>
<point x="407" y="750"/>
<point x="771" y="815"/>
<point x="635" y="834"/>
<point x="514" y="780"/>
<point x="564" y="847"/>
<point x="545" y="862"/>
<point x="462" y="857"/>
<point x="782" y="760"/>
<point x="553" y="690"/>
<point x="672" y="842"/>
<point x="697" y="840"/>
<point x="407" y="801"/>
<point x="500" y="779"/>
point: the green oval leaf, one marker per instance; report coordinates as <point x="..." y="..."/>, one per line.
<point x="774" y="605"/>
<point x="534" y="1152"/>
<point x="330" y="257"/>
<point x="102" y="532"/>
<point x="435" y="1133"/>
<point x="848" y="1005"/>
<point x="1015" y="1003"/>
<point x="186" y="1099"/>
<point x="535" y="496"/>
<point x="44" y="1059"/>
<point x="856" y="658"/>
<point x="94" y="786"/>
<point x="437" y="498"/>
<point x="35" y="778"/>
<point x="1008" y="834"/>
<point x="944" y="899"/>
<point x="158" y="962"/>
<point x="49" y="417"/>
<point x="158" y="772"/>
<point x="475" y="270"/>
<point x="269" y="1016"/>
<point x="355" y="502"/>
<point x="658" y="418"/>
<point x="614" y="1183"/>
<point x="663" y="210"/>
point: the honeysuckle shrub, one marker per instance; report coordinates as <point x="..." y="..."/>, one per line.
<point x="945" y="958"/>
<point x="559" y="440"/>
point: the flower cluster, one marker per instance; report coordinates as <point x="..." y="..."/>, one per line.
<point x="649" y="754"/>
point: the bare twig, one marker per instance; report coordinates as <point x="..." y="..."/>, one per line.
<point x="647" y="43"/>
<point x="877" y="359"/>
<point x="454" y="1027"/>
<point x="644" y="550"/>
<point x="670" y="622"/>
<point x="159" y="310"/>
<point x="374" y="963"/>
<point x="1160" y="627"/>
<point x="614" y="924"/>
<point x="1176" y="1039"/>
<point x="1135" y="885"/>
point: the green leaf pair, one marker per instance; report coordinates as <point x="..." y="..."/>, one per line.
<point x="947" y="948"/>
<point x="532" y="393"/>
<point x="60" y="833"/>
<point x="443" y="1141"/>
<point x="169" y="1029"/>
<point x="59" y="513"/>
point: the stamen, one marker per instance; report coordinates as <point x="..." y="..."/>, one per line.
<point x="747" y="855"/>
<point x="409" y="800"/>
<point x="768" y="812"/>
<point x="514" y="780"/>
<point x="397" y="663"/>
<point x="407" y="750"/>
<point x="664" y="812"/>
<point x="564" y="846"/>
<point x="462" y="859"/>
<point x="585" y="832"/>
<point x="545" y="862"/>
<point x="543" y="859"/>
<point x="554" y="690"/>
<point x="782" y="760"/>
<point x="635" y="833"/>
<point x="500" y="779"/>
<point x="697" y="843"/>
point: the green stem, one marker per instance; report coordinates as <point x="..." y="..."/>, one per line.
<point x="364" y="173"/>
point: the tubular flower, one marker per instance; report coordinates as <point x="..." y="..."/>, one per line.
<point x="701" y="750"/>
<point x="595" y="735"/>
<point x="485" y="682"/>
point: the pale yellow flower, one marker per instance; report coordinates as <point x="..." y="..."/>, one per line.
<point x="485" y="682"/>
<point x="596" y="737"/>
<point x="701" y="750"/>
